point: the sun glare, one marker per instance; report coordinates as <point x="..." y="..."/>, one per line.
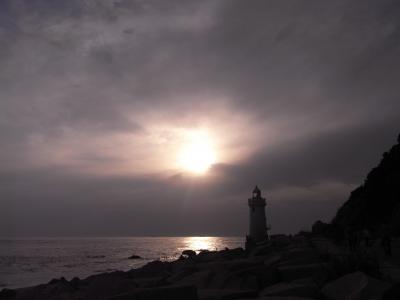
<point x="197" y="154"/>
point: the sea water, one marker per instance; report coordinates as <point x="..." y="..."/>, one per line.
<point x="31" y="261"/>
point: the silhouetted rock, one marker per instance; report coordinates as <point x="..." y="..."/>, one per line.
<point x="134" y="256"/>
<point x="291" y="289"/>
<point x="220" y="294"/>
<point x="199" y="279"/>
<point x="154" y="268"/>
<point x="7" y="294"/>
<point x="75" y="282"/>
<point x="292" y="272"/>
<point x="393" y="293"/>
<point x="165" y="293"/>
<point x="189" y="253"/>
<point x="233" y="253"/>
<point x="290" y="267"/>
<point x="355" y="286"/>
<point x="264" y="275"/>
<point x="320" y="228"/>
<point x="272" y="260"/>
<point x="377" y="201"/>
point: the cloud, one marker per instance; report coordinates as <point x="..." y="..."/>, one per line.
<point x="300" y="97"/>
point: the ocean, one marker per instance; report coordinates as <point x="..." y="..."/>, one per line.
<point x="31" y="261"/>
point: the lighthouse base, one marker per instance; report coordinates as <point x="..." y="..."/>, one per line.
<point x="251" y="243"/>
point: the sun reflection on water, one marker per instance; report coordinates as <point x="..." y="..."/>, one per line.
<point x="198" y="243"/>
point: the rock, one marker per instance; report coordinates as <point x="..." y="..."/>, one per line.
<point x="291" y="289"/>
<point x="300" y="254"/>
<point x="273" y="260"/>
<point x="218" y="294"/>
<point x="7" y="294"/>
<point x="134" y="256"/>
<point x="280" y="240"/>
<point x="262" y="250"/>
<point x="265" y="275"/>
<point x="326" y="247"/>
<point x="320" y="228"/>
<point x="56" y="289"/>
<point x="392" y="293"/>
<point x="179" y="275"/>
<point x="153" y="268"/>
<point x="150" y="282"/>
<point x="390" y="271"/>
<point x="182" y="264"/>
<point x="298" y="261"/>
<point x="279" y="298"/>
<point x="305" y="280"/>
<point x="199" y="279"/>
<point x="250" y="278"/>
<point x="105" y="285"/>
<point x="189" y="253"/>
<point x="208" y="256"/>
<point x="230" y="265"/>
<point x="164" y="293"/>
<point x="56" y="280"/>
<point x="290" y="273"/>
<point x="75" y="282"/>
<point x="356" y="285"/>
<point x="230" y="254"/>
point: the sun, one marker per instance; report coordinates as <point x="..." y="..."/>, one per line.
<point x="197" y="153"/>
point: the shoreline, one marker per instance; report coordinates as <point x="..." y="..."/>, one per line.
<point x="290" y="266"/>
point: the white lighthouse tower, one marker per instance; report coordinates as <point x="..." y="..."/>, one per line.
<point x="258" y="225"/>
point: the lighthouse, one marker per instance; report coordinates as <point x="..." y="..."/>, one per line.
<point x="258" y="225"/>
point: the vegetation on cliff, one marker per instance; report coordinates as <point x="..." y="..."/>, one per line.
<point x="375" y="205"/>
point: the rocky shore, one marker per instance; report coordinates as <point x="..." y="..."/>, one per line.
<point x="286" y="267"/>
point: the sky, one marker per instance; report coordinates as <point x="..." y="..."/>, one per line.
<point x="98" y="99"/>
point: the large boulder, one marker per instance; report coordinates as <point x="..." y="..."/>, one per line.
<point x="235" y="253"/>
<point x="393" y="293"/>
<point x="229" y="265"/>
<point x="218" y="294"/>
<point x="299" y="255"/>
<point x="105" y="285"/>
<point x="291" y="289"/>
<point x="150" y="282"/>
<point x="56" y="289"/>
<point x="263" y="250"/>
<point x="326" y="247"/>
<point x="7" y="294"/>
<point x="179" y="275"/>
<point x="293" y="272"/>
<point x="200" y="279"/>
<point x="189" y="253"/>
<point x="305" y="280"/>
<point x="153" y="268"/>
<point x="182" y="264"/>
<point x="280" y="298"/>
<point x="390" y="271"/>
<point x="355" y="286"/>
<point x="280" y="240"/>
<point x="253" y="278"/>
<point x="246" y="282"/>
<point x="164" y="293"/>
<point x="320" y="228"/>
<point x="208" y="256"/>
<point x="272" y="260"/>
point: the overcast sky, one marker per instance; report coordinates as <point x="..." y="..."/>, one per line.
<point x="97" y="97"/>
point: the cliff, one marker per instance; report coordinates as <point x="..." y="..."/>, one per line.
<point x="376" y="203"/>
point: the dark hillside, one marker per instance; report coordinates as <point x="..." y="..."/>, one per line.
<point x="377" y="201"/>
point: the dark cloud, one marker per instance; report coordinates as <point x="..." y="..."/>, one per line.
<point x="309" y="87"/>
